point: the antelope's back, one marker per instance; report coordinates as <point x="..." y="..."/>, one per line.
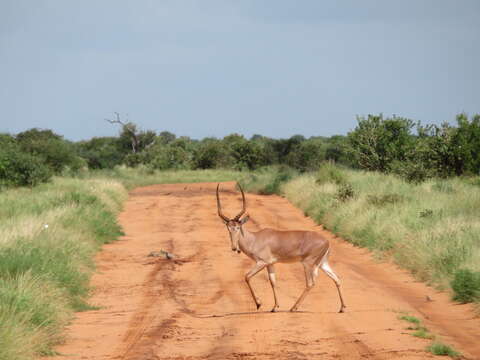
<point x="293" y="245"/>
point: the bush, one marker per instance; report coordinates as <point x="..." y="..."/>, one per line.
<point x="21" y="169"/>
<point x="376" y="141"/>
<point x="212" y="154"/>
<point x="101" y="152"/>
<point x="411" y="171"/>
<point x="328" y="172"/>
<point x="283" y="175"/>
<point x="345" y="192"/>
<point x="466" y="286"/>
<point x="55" y="152"/>
<point x="170" y="157"/>
<point x="307" y="156"/>
<point x="246" y="154"/>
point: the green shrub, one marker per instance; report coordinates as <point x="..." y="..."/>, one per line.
<point x="284" y="174"/>
<point x="345" y="192"/>
<point x="438" y="348"/>
<point x="21" y="169"/>
<point x="426" y="213"/>
<point x="328" y="172"/>
<point x="411" y="171"/>
<point x="307" y="155"/>
<point x="466" y="286"/>
<point x="54" y="151"/>
<point x="212" y="154"/>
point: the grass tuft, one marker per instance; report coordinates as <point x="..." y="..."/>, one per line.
<point x="466" y="286"/>
<point x="423" y="333"/>
<point x="438" y="348"/>
<point x="410" y="319"/>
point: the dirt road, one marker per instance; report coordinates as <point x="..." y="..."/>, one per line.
<point x="154" y="308"/>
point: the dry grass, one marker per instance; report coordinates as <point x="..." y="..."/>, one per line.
<point x="431" y="229"/>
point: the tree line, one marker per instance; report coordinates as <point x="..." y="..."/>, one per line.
<point x="386" y="144"/>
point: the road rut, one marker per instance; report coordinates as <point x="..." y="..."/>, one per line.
<point x="200" y="307"/>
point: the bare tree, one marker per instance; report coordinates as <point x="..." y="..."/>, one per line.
<point x="129" y="128"/>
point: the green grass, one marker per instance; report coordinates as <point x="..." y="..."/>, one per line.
<point x="48" y="236"/>
<point x="430" y="229"/>
<point x="143" y="176"/>
<point x="438" y="348"/>
<point x="423" y="333"/>
<point x="410" y="319"/>
<point x="267" y="180"/>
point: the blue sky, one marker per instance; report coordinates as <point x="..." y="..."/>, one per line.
<point x="211" y="68"/>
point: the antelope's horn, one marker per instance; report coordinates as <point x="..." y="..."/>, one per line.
<point x="243" y="203"/>
<point x="219" y="207"/>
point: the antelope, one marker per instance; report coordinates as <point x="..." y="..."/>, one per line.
<point x="268" y="246"/>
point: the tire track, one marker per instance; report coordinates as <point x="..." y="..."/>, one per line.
<point x="200" y="308"/>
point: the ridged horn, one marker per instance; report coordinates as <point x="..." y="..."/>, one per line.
<point x="244" y="204"/>
<point x="219" y="207"/>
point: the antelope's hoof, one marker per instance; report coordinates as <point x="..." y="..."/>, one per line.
<point x="293" y="309"/>
<point x="274" y="309"/>
<point x="258" y="306"/>
<point x="341" y="310"/>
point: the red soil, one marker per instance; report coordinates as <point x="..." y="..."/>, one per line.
<point x="200" y="308"/>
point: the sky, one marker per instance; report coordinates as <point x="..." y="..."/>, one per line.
<point x="215" y="67"/>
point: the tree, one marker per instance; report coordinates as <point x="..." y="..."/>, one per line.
<point x="166" y="137"/>
<point x="131" y="137"/>
<point x="246" y="154"/>
<point x="307" y="155"/>
<point x="336" y="150"/>
<point x="377" y="142"/>
<point x="101" y="152"/>
<point x="18" y="168"/>
<point x="56" y="152"/>
<point x="212" y="154"/>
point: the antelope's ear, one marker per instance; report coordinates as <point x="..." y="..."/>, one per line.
<point x="244" y="219"/>
<point x="224" y="221"/>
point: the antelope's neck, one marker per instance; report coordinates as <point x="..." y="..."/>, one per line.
<point x="246" y="242"/>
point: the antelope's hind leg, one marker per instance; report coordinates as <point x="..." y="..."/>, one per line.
<point x="271" y="277"/>
<point x="310" y="282"/>
<point x="328" y="270"/>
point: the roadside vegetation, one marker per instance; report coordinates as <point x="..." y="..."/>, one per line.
<point x="436" y="347"/>
<point x="430" y="228"/>
<point x="48" y="236"/>
<point x="406" y="191"/>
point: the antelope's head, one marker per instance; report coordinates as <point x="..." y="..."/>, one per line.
<point x="234" y="226"/>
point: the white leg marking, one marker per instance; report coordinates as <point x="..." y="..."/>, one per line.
<point x="272" y="276"/>
<point x="328" y="270"/>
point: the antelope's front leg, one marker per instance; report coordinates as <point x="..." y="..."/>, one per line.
<point x="258" y="266"/>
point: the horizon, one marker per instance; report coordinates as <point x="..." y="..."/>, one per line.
<point x="212" y="68"/>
